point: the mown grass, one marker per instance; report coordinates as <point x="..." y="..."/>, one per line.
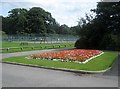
<point x="32" y="46"/>
<point x="99" y="63"/>
<point x="16" y="44"/>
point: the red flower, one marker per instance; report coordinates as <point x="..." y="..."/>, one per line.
<point x="79" y="55"/>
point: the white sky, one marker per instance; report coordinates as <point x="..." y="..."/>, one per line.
<point x="64" y="11"/>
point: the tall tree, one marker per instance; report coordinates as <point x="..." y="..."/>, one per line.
<point x="40" y="21"/>
<point x="18" y="20"/>
<point x="103" y="31"/>
<point x="33" y="21"/>
<point x="64" y="29"/>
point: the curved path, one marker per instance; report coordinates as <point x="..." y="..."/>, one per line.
<point x="7" y="55"/>
<point x="23" y="76"/>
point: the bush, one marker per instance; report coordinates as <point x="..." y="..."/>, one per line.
<point x="81" y="44"/>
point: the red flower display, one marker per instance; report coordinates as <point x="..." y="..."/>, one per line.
<point x="78" y="55"/>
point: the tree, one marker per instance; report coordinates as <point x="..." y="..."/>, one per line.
<point x="40" y="21"/>
<point x="16" y="21"/>
<point x="2" y="33"/>
<point x="102" y="32"/>
<point x="18" y="18"/>
<point x="64" y="29"/>
<point x="33" y="21"/>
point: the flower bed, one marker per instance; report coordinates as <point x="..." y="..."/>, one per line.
<point x="76" y="55"/>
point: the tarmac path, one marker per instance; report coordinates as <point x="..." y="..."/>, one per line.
<point x="23" y="76"/>
<point x="7" y="55"/>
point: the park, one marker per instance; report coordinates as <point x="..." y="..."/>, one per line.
<point x="39" y="52"/>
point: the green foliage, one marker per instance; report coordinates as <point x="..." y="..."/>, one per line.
<point x="2" y="33"/>
<point x="33" y="21"/>
<point x="22" y="21"/>
<point x="16" y="21"/>
<point x="103" y="31"/>
<point x="64" y="29"/>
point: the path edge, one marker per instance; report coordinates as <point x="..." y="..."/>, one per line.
<point x="59" y="69"/>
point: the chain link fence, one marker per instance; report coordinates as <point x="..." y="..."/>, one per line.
<point x="39" y="38"/>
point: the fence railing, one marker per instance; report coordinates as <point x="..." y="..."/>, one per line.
<point x="50" y="38"/>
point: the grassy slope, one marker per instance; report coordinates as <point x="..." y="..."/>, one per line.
<point x="30" y="45"/>
<point x="100" y="63"/>
<point x="14" y="44"/>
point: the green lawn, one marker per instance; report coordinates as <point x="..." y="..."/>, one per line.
<point x="100" y="63"/>
<point x="16" y="47"/>
<point x="16" y="44"/>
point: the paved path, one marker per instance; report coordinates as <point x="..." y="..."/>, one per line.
<point x="7" y="55"/>
<point x="22" y="76"/>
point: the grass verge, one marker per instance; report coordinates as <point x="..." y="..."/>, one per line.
<point x="16" y="47"/>
<point x="17" y="44"/>
<point x="97" y="64"/>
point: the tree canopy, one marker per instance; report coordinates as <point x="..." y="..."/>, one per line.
<point x="102" y="32"/>
<point x="33" y="21"/>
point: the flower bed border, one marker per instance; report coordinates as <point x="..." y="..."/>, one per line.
<point x="91" y="58"/>
<point x="84" y="62"/>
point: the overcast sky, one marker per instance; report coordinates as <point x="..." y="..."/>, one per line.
<point x="64" y="11"/>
